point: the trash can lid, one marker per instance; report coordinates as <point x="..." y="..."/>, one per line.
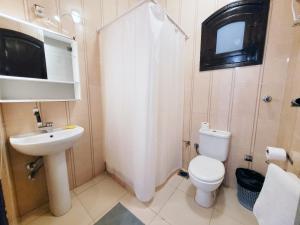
<point x="249" y="179"/>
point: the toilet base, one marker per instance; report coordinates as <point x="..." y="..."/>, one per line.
<point x="205" y="199"/>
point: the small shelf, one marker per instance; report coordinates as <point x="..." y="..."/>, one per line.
<point x="3" y="77"/>
<point x="37" y="100"/>
<point x="27" y="90"/>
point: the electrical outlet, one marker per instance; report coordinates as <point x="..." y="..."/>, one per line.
<point x="248" y="158"/>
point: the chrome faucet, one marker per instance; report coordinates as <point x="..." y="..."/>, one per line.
<point x="43" y="126"/>
<point x="46" y="127"/>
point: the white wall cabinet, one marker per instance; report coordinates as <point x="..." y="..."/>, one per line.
<point x="61" y="56"/>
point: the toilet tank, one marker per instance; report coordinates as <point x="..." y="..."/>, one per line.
<point x="214" y="143"/>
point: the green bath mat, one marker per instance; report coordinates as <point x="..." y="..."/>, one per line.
<point x="119" y="215"/>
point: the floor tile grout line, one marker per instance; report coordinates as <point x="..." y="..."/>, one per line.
<point x="181" y="183"/>
<point x="156" y="215"/>
<point x="159" y="213"/>
<point x="165" y="221"/>
<point x="118" y="200"/>
<point x="115" y="203"/>
<point x="85" y="209"/>
<point x="212" y="213"/>
<point x="76" y="195"/>
<point x="147" y="207"/>
<point x="38" y="215"/>
<point x="92" y="185"/>
<point x="186" y="192"/>
<point x="173" y="187"/>
<point x="173" y="192"/>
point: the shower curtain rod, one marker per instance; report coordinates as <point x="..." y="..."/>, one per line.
<point x="138" y="5"/>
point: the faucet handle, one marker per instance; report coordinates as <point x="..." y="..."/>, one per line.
<point x="46" y="127"/>
<point x="46" y="124"/>
<point x="49" y="124"/>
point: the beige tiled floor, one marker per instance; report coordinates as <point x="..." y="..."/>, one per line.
<point x="173" y="204"/>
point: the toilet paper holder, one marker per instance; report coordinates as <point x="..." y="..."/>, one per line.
<point x="288" y="157"/>
<point x="295" y="102"/>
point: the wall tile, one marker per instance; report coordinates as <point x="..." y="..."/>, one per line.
<point x="275" y="75"/>
<point x="235" y="160"/>
<point x="173" y="8"/>
<point x="133" y="2"/>
<point x="93" y="15"/>
<point x="13" y="8"/>
<point x="220" y="99"/>
<point x="163" y="3"/>
<point x="51" y="10"/>
<point x="123" y="6"/>
<point x="188" y="17"/>
<point x="109" y="11"/>
<point x="201" y="92"/>
<point x="19" y="119"/>
<point x="6" y="176"/>
<point x="97" y="128"/>
<point x="266" y="135"/>
<point x="222" y="3"/>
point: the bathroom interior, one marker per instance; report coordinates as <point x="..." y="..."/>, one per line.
<point x="159" y="112"/>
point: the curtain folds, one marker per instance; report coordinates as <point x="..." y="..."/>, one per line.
<point x="142" y="96"/>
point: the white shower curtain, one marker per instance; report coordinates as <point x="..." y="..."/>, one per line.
<point x="142" y="91"/>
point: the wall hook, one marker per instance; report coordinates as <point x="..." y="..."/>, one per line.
<point x="267" y="98"/>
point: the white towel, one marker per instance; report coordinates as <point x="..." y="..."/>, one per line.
<point x="278" y="201"/>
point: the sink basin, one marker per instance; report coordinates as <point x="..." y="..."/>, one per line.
<point x="41" y="144"/>
<point x="52" y="146"/>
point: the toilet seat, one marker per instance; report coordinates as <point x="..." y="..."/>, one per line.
<point x="206" y="182"/>
<point x="207" y="170"/>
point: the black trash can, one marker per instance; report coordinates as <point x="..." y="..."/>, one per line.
<point x="250" y="184"/>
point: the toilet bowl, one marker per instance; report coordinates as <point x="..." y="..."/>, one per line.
<point x="206" y="175"/>
<point x="207" y="170"/>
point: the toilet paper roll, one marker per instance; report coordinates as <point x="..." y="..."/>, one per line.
<point x="205" y="125"/>
<point x="278" y="154"/>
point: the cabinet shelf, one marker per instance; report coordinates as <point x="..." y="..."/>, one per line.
<point x="27" y="89"/>
<point x="4" y="77"/>
<point x="61" y="63"/>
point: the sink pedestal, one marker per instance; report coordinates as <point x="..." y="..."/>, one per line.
<point x="52" y="146"/>
<point x="58" y="183"/>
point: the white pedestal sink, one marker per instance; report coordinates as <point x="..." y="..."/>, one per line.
<point x="52" y="146"/>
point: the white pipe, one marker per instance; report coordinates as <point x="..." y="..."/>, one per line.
<point x="140" y="4"/>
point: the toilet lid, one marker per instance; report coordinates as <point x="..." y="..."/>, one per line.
<point x="206" y="169"/>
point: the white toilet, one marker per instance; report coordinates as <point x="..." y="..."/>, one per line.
<point x="207" y="170"/>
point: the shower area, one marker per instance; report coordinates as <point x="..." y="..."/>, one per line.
<point x="142" y="83"/>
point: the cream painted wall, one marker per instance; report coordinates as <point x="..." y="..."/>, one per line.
<point x="6" y="178"/>
<point x="229" y="99"/>
<point x="289" y="136"/>
<point x="85" y="160"/>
